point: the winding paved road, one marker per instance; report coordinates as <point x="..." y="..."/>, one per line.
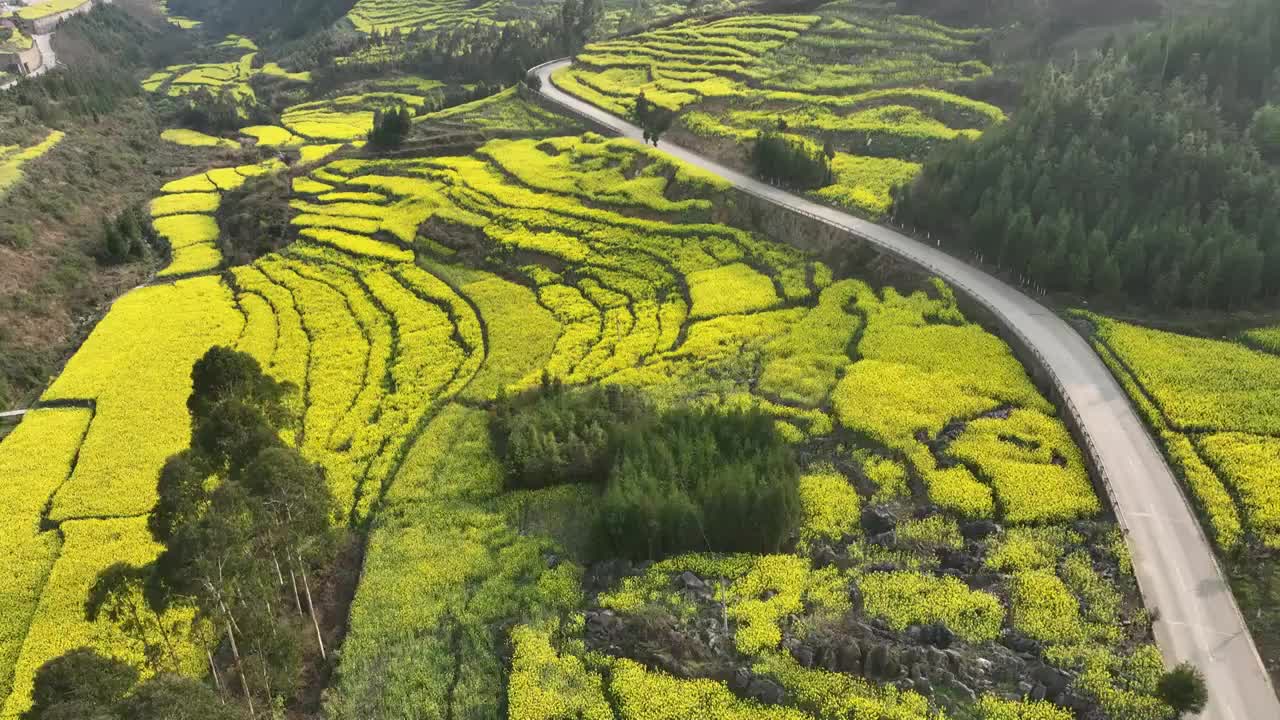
<point x="1176" y="568"/>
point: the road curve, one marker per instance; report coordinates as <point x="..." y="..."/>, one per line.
<point x="1177" y="571"/>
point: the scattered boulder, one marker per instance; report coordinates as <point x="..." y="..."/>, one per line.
<point x="884" y="539"/>
<point x="828" y="658"/>
<point x="877" y="520"/>
<point x="760" y="688"/>
<point x="849" y="657"/>
<point x="882" y="663"/>
<point x="978" y="529"/>
<point x="1020" y="644"/>
<point x="688" y="581"/>
<point x="803" y="654"/>
<point x="960" y="560"/>
<point x="766" y="691"/>
<point x="824" y="557"/>
<point x="1054" y="681"/>
<point x="937" y="635"/>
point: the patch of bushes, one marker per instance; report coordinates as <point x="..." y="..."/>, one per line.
<point x="128" y="236"/>
<point x="676" y="481"/>
<point x="254" y="218"/>
<point x="555" y="436"/>
<point x="791" y="163"/>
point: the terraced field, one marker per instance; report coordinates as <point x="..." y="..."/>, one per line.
<point x="231" y="76"/>
<point x="13" y="157"/>
<point x="421" y="289"/>
<point x="387" y="15"/>
<point x="880" y="89"/>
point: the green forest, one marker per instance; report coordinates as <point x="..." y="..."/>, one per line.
<point x="1146" y="175"/>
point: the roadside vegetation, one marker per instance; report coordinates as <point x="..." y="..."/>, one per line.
<point x="1211" y="406"/>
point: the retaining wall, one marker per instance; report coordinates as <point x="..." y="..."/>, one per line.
<point x="23" y="62"/>
<point x="41" y="26"/>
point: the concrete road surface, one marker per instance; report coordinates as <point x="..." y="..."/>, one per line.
<point x="1177" y="571"/>
<point x="49" y="60"/>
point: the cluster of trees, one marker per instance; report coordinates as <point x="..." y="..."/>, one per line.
<point x="241" y="550"/>
<point x="653" y="119"/>
<point x="219" y="111"/>
<point x="1235" y="52"/>
<point x="83" y="685"/>
<point x="245" y="523"/>
<point x="556" y="436"/>
<point x="1131" y="177"/>
<point x="673" y="482"/>
<point x="791" y="163"/>
<point x="390" y="127"/>
<point x="254" y="218"/>
<point x="128" y="236"/>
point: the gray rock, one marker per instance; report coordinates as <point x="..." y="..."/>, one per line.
<point x="1054" y="680"/>
<point x="1021" y="644"/>
<point x="824" y="557"/>
<point x="1037" y="692"/>
<point x="923" y="686"/>
<point x="1024" y="689"/>
<point x="978" y="529"/>
<point x="766" y="691"/>
<point x="803" y="655"/>
<point x="688" y="581"/>
<point x="937" y="658"/>
<point x="828" y="658"/>
<point x="876" y="662"/>
<point x="885" y="539"/>
<point x="849" y="657"/>
<point x="937" y="635"/>
<point x="983" y="666"/>
<point x="877" y="520"/>
<point x="966" y="691"/>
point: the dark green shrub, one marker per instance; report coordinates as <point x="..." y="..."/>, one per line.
<point x="700" y="480"/>
<point x="555" y="436"/>
<point x="1184" y="689"/>
<point x="684" y="480"/>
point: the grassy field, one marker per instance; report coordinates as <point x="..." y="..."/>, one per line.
<point x="882" y="89"/>
<point x="1212" y="405"/>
